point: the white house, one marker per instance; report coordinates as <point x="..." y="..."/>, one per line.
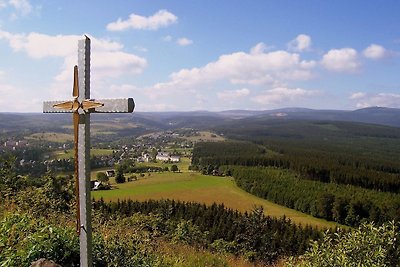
<point x="163" y="156"/>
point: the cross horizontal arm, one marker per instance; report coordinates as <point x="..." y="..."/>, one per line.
<point x="48" y="107"/>
<point x="123" y="105"/>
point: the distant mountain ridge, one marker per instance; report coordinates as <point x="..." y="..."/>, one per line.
<point x="206" y="119"/>
<point x="373" y="115"/>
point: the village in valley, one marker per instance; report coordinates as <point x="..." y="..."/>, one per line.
<point x="167" y="150"/>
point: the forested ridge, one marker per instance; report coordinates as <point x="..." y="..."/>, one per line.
<point x="324" y="166"/>
<point x="340" y="171"/>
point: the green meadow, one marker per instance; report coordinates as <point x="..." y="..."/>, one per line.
<point x="51" y="137"/>
<point x="67" y="154"/>
<point x="194" y="187"/>
<point x="183" y="164"/>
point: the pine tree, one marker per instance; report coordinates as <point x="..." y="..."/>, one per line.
<point x="120" y="178"/>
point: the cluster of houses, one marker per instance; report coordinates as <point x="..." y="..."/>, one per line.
<point x="13" y="144"/>
<point x="164" y="156"/>
<point x="161" y="156"/>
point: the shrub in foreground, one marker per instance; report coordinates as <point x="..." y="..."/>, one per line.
<point x="368" y="245"/>
<point x="24" y="239"/>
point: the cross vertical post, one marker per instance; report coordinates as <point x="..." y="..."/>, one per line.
<point x="81" y="107"/>
<point x="85" y="205"/>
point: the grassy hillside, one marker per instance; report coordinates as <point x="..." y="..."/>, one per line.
<point x="67" y="154"/>
<point x="194" y="187"/>
<point x="51" y="137"/>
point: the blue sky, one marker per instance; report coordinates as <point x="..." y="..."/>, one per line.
<point x="204" y="55"/>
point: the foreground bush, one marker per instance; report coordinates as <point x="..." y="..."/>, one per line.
<point x="368" y="245"/>
<point x="24" y="239"/>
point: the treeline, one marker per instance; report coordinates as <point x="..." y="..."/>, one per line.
<point x="207" y="156"/>
<point x="263" y="237"/>
<point x="227" y="149"/>
<point x="344" y="204"/>
<point x="325" y="184"/>
<point x="310" y="160"/>
<point x="359" y="154"/>
<point x="328" y="163"/>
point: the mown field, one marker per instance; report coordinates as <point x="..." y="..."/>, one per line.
<point x="183" y="164"/>
<point x="67" y="154"/>
<point x="205" y="136"/>
<point x="51" y="137"/>
<point x="194" y="187"/>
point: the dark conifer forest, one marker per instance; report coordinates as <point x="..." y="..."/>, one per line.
<point x="338" y="171"/>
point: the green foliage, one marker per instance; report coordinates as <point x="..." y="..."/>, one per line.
<point x="24" y="239"/>
<point x="120" y="177"/>
<point x="174" y="168"/>
<point x="187" y="233"/>
<point x="102" y="177"/>
<point x="199" y="260"/>
<point x="56" y="194"/>
<point x="314" y="177"/>
<point x="258" y="236"/>
<point x="10" y="183"/>
<point x="117" y="251"/>
<point x="223" y="246"/>
<point x="345" y="204"/>
<point x="207" y="156"/>
<point x="335" y="161"/>
<point x="368" y="245"/>
<point x="205" y="150"/>
<point x="143" y="168"/>
<point x="49" y="193"/>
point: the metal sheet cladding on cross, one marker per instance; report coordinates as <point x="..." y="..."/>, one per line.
<point x="125" y="105"/>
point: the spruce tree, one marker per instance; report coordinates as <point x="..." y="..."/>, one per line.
<point x="120" y="178"/>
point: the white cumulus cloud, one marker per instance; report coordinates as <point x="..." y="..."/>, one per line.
<point x="27" y="101"/>
<point x="375" y="52"/>
<point x="301" y="43"/>
<point x="229" y="95"/>
<point x="184" y="41"/>
<point x="258" y="49"/>
<point x="341" y="60"/>
<point x="282" y="95"/>
<point x="21" y="6"/>
<point x="243" y="68"/>
<point x="358" y="95"/>
<point x="257" y="68"/>
<point x="108" y="59"/>
<point x="38" y="45"/>
<point x="162" y="18"/>
<point x="363" y="100"/>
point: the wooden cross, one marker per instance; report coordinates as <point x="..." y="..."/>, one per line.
<point x="81" y="106"/>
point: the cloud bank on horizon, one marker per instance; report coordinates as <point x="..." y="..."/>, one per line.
<point x="172" y="59"/>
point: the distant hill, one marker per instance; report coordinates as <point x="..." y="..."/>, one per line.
<point x="376" y="115"/>
<point x="373" y="115"/>
<point x="152" y="121"/>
